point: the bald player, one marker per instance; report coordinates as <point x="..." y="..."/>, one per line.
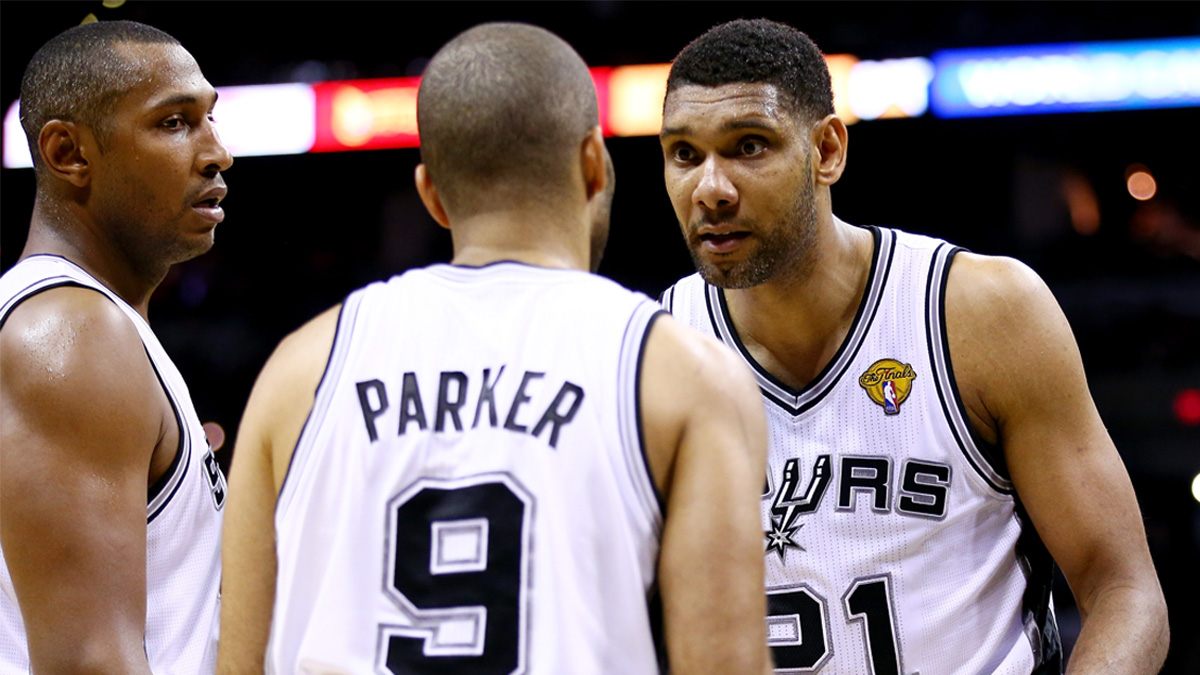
<point x="509" y="464"/>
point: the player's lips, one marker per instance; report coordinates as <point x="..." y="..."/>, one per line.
<point x="721" y="239"/>
<point x="209" y="204"/>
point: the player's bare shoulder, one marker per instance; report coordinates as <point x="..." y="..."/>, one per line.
<point x="74" y="364"/>
<point x="695" y="364"/>
<point x="283" y="395"/>
<point x="1003" y="327"/>
<point x="688" y="379"/>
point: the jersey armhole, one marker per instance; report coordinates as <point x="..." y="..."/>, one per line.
<point x="987" y="460"/>
<point x="167" y="485"/>
<point x="629" y="410"/>
<point x="160" y="493"/>
<point x="667" y="299"/>
<point x="322" y="399"/>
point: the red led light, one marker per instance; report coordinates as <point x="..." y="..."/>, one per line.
<point x="1187" y="407"/>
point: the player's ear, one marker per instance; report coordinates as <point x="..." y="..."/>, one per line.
<point x="593" y="158"/>
<point x="430" y="197"/>
<point x="65" y="148"/>
<point x="829" y="140"/>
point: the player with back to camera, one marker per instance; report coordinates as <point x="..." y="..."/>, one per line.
<point x="913" y="511"/>
<point x="508" y="461"/>
<point x="110" y="496"/>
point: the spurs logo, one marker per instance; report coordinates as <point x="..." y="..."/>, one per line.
<point x="787" y="506"/>
<point x="216" y="479"/>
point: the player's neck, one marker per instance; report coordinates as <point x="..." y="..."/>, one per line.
<point x="57" y="230"/>
<point x="540" y="238"/>
<point x="794" y="325"/>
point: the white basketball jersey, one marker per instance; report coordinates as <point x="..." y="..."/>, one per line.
<point x="469" y="493"/>
<point x="183" y="513"/>
<point x="894" y="542"/>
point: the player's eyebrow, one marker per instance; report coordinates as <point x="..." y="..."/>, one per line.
<point x="731" y="125"/>
<point x="184" y="99"/>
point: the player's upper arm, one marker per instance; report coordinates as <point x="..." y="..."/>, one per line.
<point x="705" y="436"/>
<point x="1022" y="380"/>
<point x="275" y="414"/>
<point x="81" y="412"/>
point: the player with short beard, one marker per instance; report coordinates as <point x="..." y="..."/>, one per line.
<point x="916" y="503"/>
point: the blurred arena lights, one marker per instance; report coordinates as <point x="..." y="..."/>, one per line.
<point x="1070" y="77"/>
<point x="1187" y="407"/>
<point x="367" y="114"/>
<point x="1082" y="203"/>
<point x="635" y="97"/>
<point x="1075" y="77"/>
<point x="246" y="130"/>
<point x="890" y="88"/>
<point x="1140" y="182"/>
<point x="1196" y="487"/>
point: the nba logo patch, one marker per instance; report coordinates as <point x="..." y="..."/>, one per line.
<point x="888" y="382"/>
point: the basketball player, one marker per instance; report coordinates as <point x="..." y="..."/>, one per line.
<point x="110" y="495"/>
<point x="909" y="505"/>
<point x="508" y="461"/>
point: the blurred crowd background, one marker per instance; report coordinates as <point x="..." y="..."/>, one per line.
<point x="1053" y="190"/>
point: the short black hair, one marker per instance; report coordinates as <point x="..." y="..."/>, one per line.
<point x="78" y="76"/>
<point x="759" y="50"/>
<point x="503" y="106"/>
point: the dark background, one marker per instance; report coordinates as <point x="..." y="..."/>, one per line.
<point x="302" y="231"/>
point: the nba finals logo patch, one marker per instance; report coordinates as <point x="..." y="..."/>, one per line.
<point x="888" y="383"/>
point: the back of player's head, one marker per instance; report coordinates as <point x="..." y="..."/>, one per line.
<point x="503" y="109"/>
<point x="759" y="50"/>
<point x="79" y="76"/>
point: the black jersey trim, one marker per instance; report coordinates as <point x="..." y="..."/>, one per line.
<point x="991" y="453"/>
<point x="658" y="633"/>
<point x="630" y="430"/>
<point x="798" y="402"/>
<point x="667" y="299"/>
<point x="1041" y="627"/>
<point x="178" y="470"/>
<point x="979" y="455"/>
<point x="637" y="411"/>
<point x="163" y="481"/>
<point x="18" y="298"/>
<point x="294" y="461"/>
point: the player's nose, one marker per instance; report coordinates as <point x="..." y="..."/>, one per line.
<point x="715" y="190"/>
<point x="214" y="157"/>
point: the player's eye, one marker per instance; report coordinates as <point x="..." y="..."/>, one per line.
<point x="174" y="122"/>
<point x="683" y="153"/>
<point x="751" y="146"/>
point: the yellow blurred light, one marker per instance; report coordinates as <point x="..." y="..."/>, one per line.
<point x="1141" y="185"/>
<point x="113" y="4"/>
<point x="839" y="75"/>
<point x="90" y="18"/>
<point x="1196" y="487"/>
<point x="635" y="99"/>
<point x="635" y="95"/>
<point x="359" y="116"/>
<point x="351" y="116"/>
